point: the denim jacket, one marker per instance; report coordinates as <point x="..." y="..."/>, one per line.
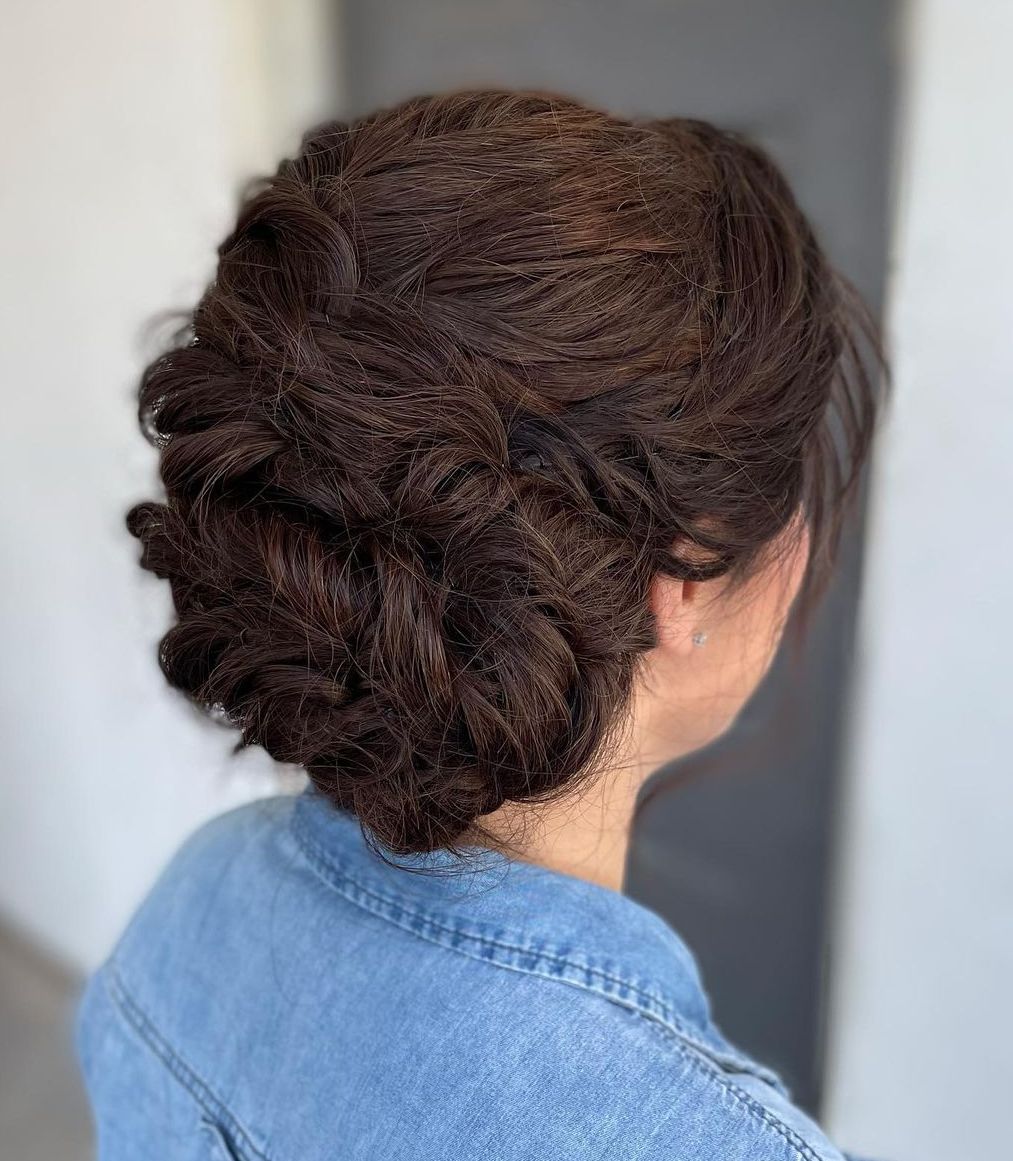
<point x="284" y="994"/>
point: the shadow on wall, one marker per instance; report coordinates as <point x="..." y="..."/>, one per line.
<point x="43" y="1112"/>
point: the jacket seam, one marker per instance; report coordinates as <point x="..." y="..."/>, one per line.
<point x="624" y="993"/>
<point x="185" y="1073"/>
<point x="801" y="1147"/>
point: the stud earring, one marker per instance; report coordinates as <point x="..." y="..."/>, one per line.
<point x="699" y="637"/>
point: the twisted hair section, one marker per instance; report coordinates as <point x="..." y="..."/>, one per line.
<point x="471" y="371"/>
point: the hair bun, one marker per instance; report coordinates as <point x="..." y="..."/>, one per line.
<point x="467" y="370"/>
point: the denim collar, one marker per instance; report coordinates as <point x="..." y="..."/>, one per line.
<point x="525" y="918"/>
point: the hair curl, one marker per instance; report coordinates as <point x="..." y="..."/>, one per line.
<point x="472" y="370"/>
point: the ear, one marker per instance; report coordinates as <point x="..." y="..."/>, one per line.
<point x="676" y="607"/>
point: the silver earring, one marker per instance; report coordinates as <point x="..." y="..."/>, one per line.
<point x="699" y="637"/>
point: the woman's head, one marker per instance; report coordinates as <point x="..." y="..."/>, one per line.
<point x="489" y="390"/>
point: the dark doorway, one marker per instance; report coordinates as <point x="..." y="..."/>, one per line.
<point x="739" y="860"/>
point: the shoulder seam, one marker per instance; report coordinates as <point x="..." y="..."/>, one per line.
<point x="799" y="1145"/>
<point x="539" y="962"/>
<point x="137" y="1019"/>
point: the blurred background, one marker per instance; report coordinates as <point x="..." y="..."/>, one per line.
<point x="842" y="861"/>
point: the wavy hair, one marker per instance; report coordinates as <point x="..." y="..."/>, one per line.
<point x="472" y="370"/>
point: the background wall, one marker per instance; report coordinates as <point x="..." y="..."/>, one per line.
<point x="922" y="1018"/>
<point x="126" y="132"/>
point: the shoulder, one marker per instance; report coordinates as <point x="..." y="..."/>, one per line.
<point x="250" y="830"/>
<point x="234" y="856"/>
<point x="636" y="1088"/>
<point x="192" y="930"/>
<point x="242" y="943"/>
<point x="720" y="1113"/>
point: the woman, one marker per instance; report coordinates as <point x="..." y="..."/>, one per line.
<point x="496" y="454"/>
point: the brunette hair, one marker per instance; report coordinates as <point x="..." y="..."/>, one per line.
<point x="471" y="372"/>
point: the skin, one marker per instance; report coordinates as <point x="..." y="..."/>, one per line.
<point x="686" y="696"/>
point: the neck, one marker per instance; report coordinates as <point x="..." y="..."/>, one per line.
<point x="587" y="834"/>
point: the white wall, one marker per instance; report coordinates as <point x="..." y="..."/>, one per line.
<point x="923" y="1016"/>
<point x="127" y="126"/>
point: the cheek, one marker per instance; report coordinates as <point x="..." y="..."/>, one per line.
<point x="754" y="638"/>
<point x="784" y="582"/>
<point x="801" y="563"/>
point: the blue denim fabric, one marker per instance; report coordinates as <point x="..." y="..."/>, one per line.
<point x="283" y="994"/>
